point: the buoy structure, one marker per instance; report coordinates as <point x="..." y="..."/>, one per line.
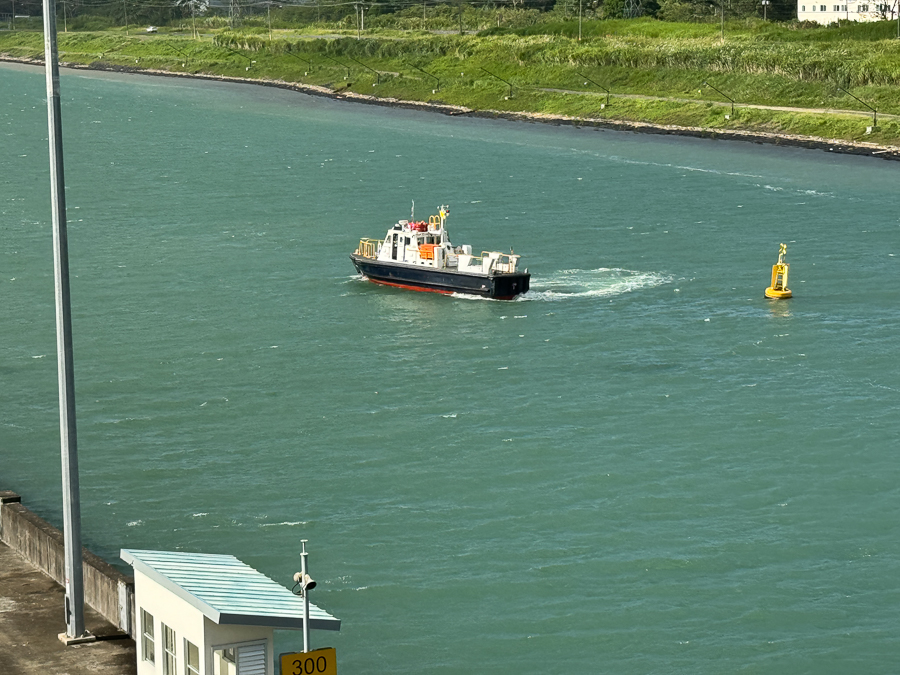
<point x="779" y="290"/>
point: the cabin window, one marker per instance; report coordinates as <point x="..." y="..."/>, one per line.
<point x="148" y="644"/>
<point x="822" y="7"/>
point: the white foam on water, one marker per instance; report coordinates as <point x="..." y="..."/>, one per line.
<point x="466" y="296"/>
<point x="599" y="283"/>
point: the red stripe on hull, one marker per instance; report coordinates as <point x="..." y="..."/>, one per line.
<point x="411" y="288"/>
<point x="435" y="290"/>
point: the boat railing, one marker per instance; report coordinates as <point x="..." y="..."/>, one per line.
<point x="466" y="262"/>
<point x="368" y="248"/>
<point x="500" y="262"/>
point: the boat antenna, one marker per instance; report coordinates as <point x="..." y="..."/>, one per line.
<point x="412" y="213"/>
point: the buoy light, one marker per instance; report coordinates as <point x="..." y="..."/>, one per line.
<point x="779" y="290"/>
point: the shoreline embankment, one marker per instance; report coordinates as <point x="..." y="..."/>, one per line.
<point x="888" y="152"/>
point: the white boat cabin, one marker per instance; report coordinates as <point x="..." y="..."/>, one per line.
<point x="426" y="244"/>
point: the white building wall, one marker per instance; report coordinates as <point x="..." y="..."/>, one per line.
<point x="168" y="609"/>
<point x="832" y="12"/>
<point x="189" y="624"/>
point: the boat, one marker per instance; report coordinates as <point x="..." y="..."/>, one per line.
<point x="418" y="255"/>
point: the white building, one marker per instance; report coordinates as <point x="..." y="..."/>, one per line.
<point x="200" y="614"/>
<point x="852" y="11"/>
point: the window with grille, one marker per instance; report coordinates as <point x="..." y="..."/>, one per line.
<point x="168" y="650"/>
<point x="148" y="644"/>
<point x="191" y="659"/>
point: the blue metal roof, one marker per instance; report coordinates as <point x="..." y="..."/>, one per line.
<point x="226" y="590"/>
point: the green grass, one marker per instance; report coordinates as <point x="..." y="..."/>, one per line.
<point x="643" y="57"/>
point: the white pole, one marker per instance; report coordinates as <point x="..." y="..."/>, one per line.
<point x="68" y="446"/>
<point x="304" y="571"/>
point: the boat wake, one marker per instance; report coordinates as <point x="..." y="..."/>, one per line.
<point x="599" y="283"/>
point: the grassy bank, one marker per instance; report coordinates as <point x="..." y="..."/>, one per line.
<point x="551" y="73"/>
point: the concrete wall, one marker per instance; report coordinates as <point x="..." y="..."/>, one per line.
<point x="106" y="590"/>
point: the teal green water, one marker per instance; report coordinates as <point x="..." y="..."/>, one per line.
<point x="641" y="466"/>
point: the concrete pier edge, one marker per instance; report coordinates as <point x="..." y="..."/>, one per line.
<point x="106" y="590"/>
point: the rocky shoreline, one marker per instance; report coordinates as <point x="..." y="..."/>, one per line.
<point x="889" y="152"/>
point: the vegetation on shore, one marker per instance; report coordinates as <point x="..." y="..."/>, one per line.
<point x="656" y="72"/>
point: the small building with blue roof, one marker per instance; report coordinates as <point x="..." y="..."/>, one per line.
<point x="206" y="614"/>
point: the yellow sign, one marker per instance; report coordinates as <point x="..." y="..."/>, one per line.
<point x="316" y="662"/>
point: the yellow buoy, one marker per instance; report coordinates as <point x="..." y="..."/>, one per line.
<point x="779" y="290"/>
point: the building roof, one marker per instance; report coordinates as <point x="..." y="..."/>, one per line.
<point x="226" y="590"/>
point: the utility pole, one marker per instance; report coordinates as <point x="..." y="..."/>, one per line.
<point x="460" y="18"/>
<point x="579" y="20"/>
<point x="304" y="570"/>
<point x="74" y="574"/>
<point x="235" y="13"/>
<point x="723" y="20"/>
<point x="125" y="7"/>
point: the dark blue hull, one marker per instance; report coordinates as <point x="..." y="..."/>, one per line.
<point x="419" y="278"/>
